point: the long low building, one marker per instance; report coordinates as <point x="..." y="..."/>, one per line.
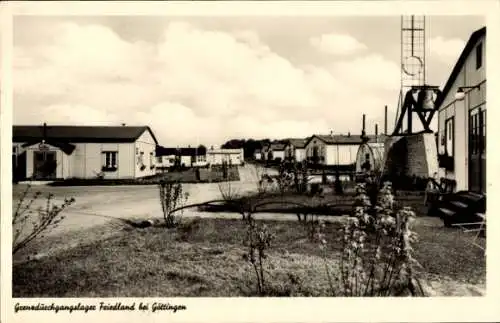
<point x="183" y="157"/>
<point x="229" y="156"/>
<point x="61" y="152"/>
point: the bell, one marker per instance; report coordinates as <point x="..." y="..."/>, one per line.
<point x="427" y="99"/>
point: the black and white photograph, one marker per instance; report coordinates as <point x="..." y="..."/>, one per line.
<point x="248" y="156"/>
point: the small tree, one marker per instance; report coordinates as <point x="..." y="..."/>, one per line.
<point x="258" y="239"/>
<point x="171" y="197"/>
<point x="377" y="258"/>
<point x="29" y="224"/>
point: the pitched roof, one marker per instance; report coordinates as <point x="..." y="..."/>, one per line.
<point x="183" y="151"/>
<point x="79" y="134"/>
<point x="297" y="142"/>
<point x="67" y="148"/>
<point x="345" y="139"/>
<point x="475" y="36"/>
<point x="164" y="151"/>
<point x="277" y="146"/>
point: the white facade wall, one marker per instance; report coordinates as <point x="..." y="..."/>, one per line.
<point x="333" y="154"/>
<point x="63" y="169"/>
<point x="165" y="161"/>
<point x="300" y="154"/>
<point x="279" y="154"/>
<point x="87" y="160"/>
<point x="186" y="161"/>
<point x="459" y="110"/>
<point x="232" y="156"/>
<point x="146" y="145"/>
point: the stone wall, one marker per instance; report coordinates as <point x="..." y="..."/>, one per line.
<point x="411" y="155"/>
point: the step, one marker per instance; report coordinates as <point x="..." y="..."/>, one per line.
<point x="481" y="216"/>
<point x="447" y="212"/>
<point x="459" y="204"/>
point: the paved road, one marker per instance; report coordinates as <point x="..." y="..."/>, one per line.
<point x="95" y="205"/>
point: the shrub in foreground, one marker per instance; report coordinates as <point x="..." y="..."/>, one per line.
<point x="377" y="254"/>
<point x="30" y="223"/>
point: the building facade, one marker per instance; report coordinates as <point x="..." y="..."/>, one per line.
<point x="183" y="157"/>
<point x="276" y="151"/>
<point x="461" y="138"/>
<point x="295" y="149"/>
<point x="333" y="150"/>
<point x="61" y="152"/>
<point x="229" y="156"/>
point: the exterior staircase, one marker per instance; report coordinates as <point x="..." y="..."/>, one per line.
<point x="461" y="207"/>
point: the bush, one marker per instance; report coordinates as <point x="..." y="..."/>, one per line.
<point x="377" y="257"/>
<point x="29" y="224"/>
<point x="171" y="198"/>
<point x="258" y="239"/>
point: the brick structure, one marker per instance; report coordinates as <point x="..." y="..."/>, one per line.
<point x="411" y="155"/>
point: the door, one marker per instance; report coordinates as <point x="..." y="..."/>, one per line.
<point x="44" y="164"/>
<point x="477" y="150"/>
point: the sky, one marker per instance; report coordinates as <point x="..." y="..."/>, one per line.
<point x="205" y="80"/>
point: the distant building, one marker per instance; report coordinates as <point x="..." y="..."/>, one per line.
<point x="276" y="151"/>
<point x="462" y="118"/>
<point x="167" y="157"/>
<point x="335" y="150"/>
<point x="295" y="149"/>
<point x="257" y="155"/>
<point x="229" y="156"/>
<point x="61" y="152"/>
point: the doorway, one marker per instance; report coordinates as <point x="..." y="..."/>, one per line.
<point x="44" y="165"/>
<point x="477" y="150"/>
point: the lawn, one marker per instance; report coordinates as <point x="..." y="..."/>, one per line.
<point x="206" y="175"/>
<point x="327" y="204"/>
<point x="205" y="257"/>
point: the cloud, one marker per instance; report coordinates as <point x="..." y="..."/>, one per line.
<point x="337" y="44"/>
<point x="193" y="85"/>
<point x="446" y="50"/>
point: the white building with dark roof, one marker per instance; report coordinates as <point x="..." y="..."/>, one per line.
<point x="60" y="152"/>
<point x="462" y="118"/>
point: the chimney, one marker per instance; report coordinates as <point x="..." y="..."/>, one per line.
<point x="385" y="121"/>
<point x="44" y="131"/>
<point x="331" y="133"/>
<point x="124" y="124"/>
<point x="349" y="134"/>
<point x="376" y="130"/>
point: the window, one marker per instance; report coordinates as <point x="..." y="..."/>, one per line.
<point x="140" y="158"/>
<point x="110" y="160"/>
<point x="159" y="159"/>
<point x="479" y="55"/>
<point x="151" y="158"/>
<point x="477" y="131"/>
<point x="449" y="135"/>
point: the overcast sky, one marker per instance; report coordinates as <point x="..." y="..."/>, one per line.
<point x="206" y="80"/>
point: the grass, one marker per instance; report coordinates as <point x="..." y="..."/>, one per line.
<point x="204" y="257"/>
<point x="329" y="204"/>
<point x="184" y="176"/>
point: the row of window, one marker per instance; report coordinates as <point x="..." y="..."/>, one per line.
<point x="110" y="159"/>
<point x="477" y="133"/>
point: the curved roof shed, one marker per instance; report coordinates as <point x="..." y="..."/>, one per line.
<point x="370" y="155"/>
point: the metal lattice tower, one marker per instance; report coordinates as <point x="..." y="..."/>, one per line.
<point x="415" y="96"/>
<point x="412" y="51"/>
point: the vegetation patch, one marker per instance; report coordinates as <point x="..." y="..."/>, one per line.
<point x="204" y="175"/>
<point x="206" y="257"/>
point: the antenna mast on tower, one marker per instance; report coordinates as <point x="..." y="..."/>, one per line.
<point x="415" y="96"/>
